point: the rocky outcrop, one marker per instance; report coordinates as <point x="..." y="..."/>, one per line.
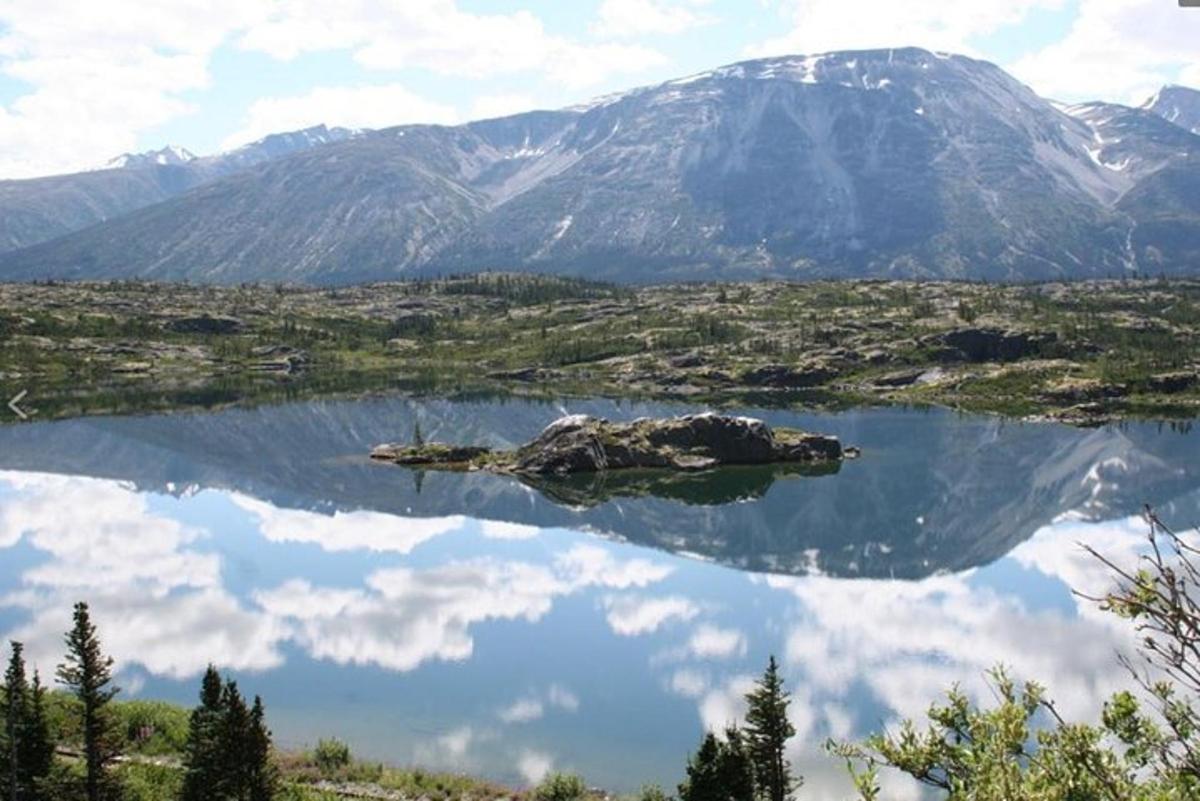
<point x="783" y="377"/>
<point x="204" y="324"/>
<point x="991" y="344"/>
<point x="584" y="444"/>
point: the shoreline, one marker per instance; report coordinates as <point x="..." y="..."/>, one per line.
<point x="1083" y="354"/>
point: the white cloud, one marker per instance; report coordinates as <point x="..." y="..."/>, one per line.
<point x="562" y="698"/>
<point x="533" y="707"/>
<point x="101" y="75"/>
<point x="347" y="106"/>
<point x="725" y="705"/>
<point x="1118" y="49"/>
<point x="405" y="617"/>
<point x="534" y="765"/>
<point x="713" y="642"/>
<point x="825" y="25"/>
<point x="499" y="530"/>
<point x="688" y="682"/>
<point x="631" y="18"/>
<point x="158" y="602"/>
<point x="632" y="615"/>
<point x="522" y="710"/>
<point x="347" y="531"/>
<point x="439" y="36"/>
<point x="592" y="564"/>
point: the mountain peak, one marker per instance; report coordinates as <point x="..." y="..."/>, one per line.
<point x="1177" y="104"/>
<point x="171" y="154"/>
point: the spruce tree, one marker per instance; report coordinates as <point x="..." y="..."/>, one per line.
<point x="767" y="732"/>
<point x="87" y="673"/>
<point x="736" y="769"/>
<point x="262" y="776"/>
<point x="235" y="722"/>
<point x="16" y="694"/>
<point x="703" y="782"/>
<point x="37" y="752"/>
<point x="203" y="752"/>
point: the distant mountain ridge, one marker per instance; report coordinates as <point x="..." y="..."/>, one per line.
<point x="1179" y="105"/>
<point x="36" y="210"/>
<point x="888" y="163"/>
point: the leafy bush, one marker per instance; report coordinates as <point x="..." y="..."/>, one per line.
<point x="151" y="727"/>
<point x="331" y="756"/>
<point x="560" y="787"/>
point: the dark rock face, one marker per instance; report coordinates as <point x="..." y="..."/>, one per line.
<point x="696" y="442"/>
<point x="205" y="325"/>
<point x="782" y="377"/>
<point x="1169" y="383"/>
<point x="995" y="345"/>
<point x="584" y="444"/>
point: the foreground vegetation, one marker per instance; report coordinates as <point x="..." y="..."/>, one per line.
<point x="1082" y="352"/>
<point x="83" y="744"/>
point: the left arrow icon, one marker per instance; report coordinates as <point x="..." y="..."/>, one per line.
<point x="12" y="404"/>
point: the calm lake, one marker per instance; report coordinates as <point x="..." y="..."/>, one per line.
<point x="477" y="623"/>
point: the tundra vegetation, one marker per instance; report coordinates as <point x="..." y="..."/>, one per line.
<point x="1143" y="745"/>
<point x="1084" y="352"/>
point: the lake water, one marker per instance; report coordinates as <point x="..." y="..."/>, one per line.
<point x="476" y="623"/>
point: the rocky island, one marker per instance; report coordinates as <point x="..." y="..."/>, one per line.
<point x="585" y="444"/>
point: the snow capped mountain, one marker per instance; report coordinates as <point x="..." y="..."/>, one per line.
<point x="894" y="163"/>
<point x="40" y="209"/>
<point x="171" y="154"/>
<point x="1179" y="105"/>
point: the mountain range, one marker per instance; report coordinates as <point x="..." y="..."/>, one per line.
<point x="890" y="163"/>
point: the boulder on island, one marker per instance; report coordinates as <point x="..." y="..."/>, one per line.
<point x="584" y="444"/>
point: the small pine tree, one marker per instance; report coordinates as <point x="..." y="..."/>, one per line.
<point x="263" y="778"/>
<point x="203" y="779"/>
<point x="735" y="768"/>
<point x="703" y="781"/>
<point x="87" y="673"/>
<point x="767" y="732"/>
<point x="37" y="752"/>
<point x="235" y="720"/>
<point x="418" y="436"/>
<point x="16" y="693"/>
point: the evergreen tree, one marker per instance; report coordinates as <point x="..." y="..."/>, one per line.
<point x="203" y="752"/>
<point x="703" y="782"/>
<point x="736" y="769"/>
<point x="16" y="693"/>
<point x="37" y="752"/>
<point x="262" y="776"/>
<point x="87" y="673"/>
<point x="767" y="732"/>
<point x="235" y="720"/>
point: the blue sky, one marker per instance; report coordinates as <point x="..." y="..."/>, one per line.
<point x="81" y="82"/>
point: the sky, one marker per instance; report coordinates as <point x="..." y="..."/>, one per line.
<point x="83" y="81"/>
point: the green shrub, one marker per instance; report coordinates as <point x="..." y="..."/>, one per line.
<point x="331" y="756"/>
<point x="560" y="787"/>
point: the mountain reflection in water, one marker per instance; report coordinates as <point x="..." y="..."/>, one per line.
<point x="473" y="622"/>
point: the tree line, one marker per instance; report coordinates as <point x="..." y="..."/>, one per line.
<point x="227" y="757"/>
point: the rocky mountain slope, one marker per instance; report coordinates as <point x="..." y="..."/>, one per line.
<point x="900" y="163"/>
<point x="1179" y="105"/>
<point x="39" y="209"/>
